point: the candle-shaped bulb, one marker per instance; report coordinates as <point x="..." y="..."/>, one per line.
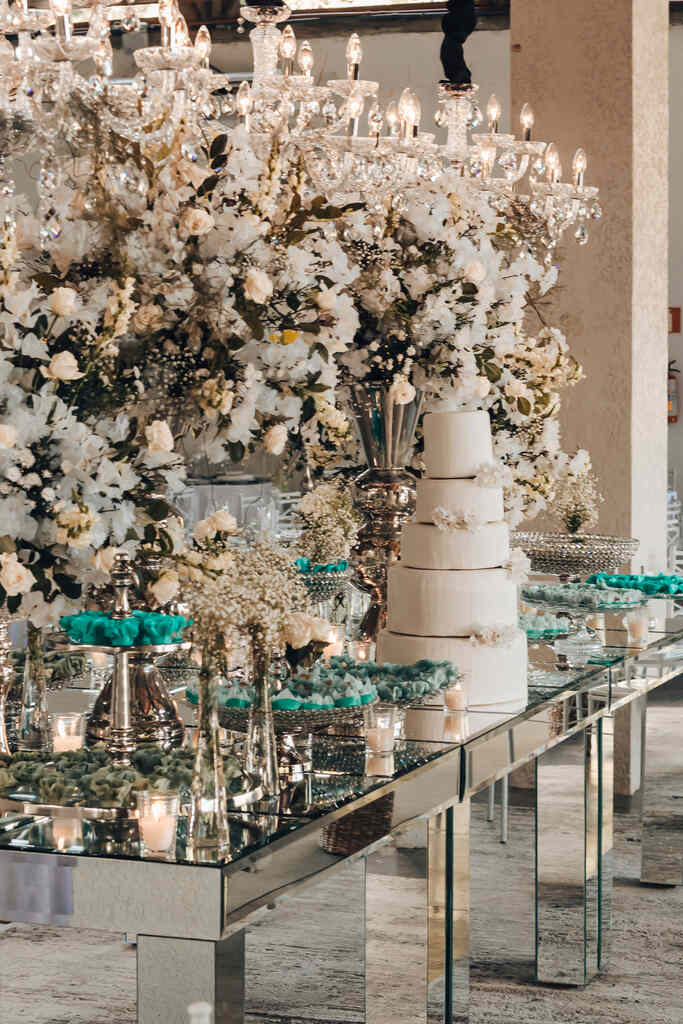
<point x="579" y="165"/>
<point x="181" y="33"/>
<point x="410" y="111"/>
<point x="244" y="99"/>
<point x="354" y="55"/>
<point x="393" y="117"/>
<point x="103" y="57"/>
<point x="552" y="163"/>
<point x="288" y="43"/>
<point x="354" y="105"/>
<point x="527" y="119"/>
<point x="305" y="58"/>
<point x="202" y="45"/>
<point x="493" y="113"/>
<point x="167" y="14"/>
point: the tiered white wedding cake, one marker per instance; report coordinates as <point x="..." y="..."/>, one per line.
<point x="450" y="598"/>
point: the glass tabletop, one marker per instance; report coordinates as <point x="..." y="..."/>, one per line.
<point x="343" y="773"/>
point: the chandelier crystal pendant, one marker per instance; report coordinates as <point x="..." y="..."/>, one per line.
<point x="350" y="148"/>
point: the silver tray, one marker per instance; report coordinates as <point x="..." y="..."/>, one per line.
<point x="313" y="720"/>
<point x="567" y="554"/>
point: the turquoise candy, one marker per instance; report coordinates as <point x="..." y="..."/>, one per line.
<point x="141" y="629"/>
<point x="347" y="702"/>
<point x="236" y="702"/>
<point x="289" y="704"/>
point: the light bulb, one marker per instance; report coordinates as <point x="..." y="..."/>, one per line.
<point x="181" y="33"/>
<point x="552" y="162"/>
<point x="410" y="111"/>
<point x="354" y="105"/>
<point x="288" y="43"/>
<point x="579" y="165"/>
<point x="244" y="100"/>
<point x="493" y="113"/>
<point x="354" y="55"/>
<point x="202" y="45"/>
<point x="392" y="117"/>
<point x="527" y="119"/>
<point x="305" y="58"/>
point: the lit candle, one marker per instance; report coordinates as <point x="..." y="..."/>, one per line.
<point x="552" y="164"/>
<point x="99" y="659"/>
<point x="62" y="12"/>
<point x="158" y="819"/>
<point x="527" y="120"/>
<point x="379" y="738"/>
<point x="493" y="113"/>
<point x="67" y="733"/>
<point x="335" y="642"/>
<point x="288" y="50"/>
<point x="392" y="118"/>
<point x="455" y="698"/>
<point x="379" y="765"/>
<point x="354" y="54"/>
<point x="579" y="166"/>
<point x="361" y="650"/>
<point x="305" y="58"/>
<point x="66" y="832"/>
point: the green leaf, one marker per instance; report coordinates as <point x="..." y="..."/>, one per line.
<point x="219" y="162"/>
<point x="208" y="185"/>
<point x="317" y="389"/>
<point x="310" y="328"/>
<point x="524" y="406"/>
<point x="158" y="509"/>
<point x="13" y="604"/>
<point x="493" y="372"/>
<point x="321" y="351"/>
<point x="468" y="288"/>
<point x="68" y="585"/>
<point x="218" y="146"/>
<point x="236" y="449"/>
<point x="293" y="300"/>
<point x="308" y="408"/>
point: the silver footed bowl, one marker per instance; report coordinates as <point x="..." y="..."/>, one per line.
<point x="575" y="554"/>
<point x="323" y="586"/>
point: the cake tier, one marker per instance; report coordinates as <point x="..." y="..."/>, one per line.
<point x="439" y="602"/>
<point x="492" y="676"/>
<point x="456" y="443"/>
<point x="424" y="546"/>
<point x="459" y="496"/>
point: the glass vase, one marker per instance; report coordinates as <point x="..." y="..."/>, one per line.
<point x="209" y="825"/>
<point x="261" y="751"/>
<point x="6" y="681"/>
<point x="384" y="493"/>
<point x="34" y="726"/>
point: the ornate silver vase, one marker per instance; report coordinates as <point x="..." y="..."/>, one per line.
<point x="384" y="493"/>
<point x="208" y="825"/>
<point x="34" y="726"/>
<point x="261" y="747"/>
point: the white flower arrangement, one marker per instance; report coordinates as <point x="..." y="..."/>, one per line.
<point x="449" y="520"/>
<point x="330" y="523"/>
<point x="577" y="497"/>
<point x="493" y="636"/>
<point x="493" y="474"/>
<point x="518" y="566"/>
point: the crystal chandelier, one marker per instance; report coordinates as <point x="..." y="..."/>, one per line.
<point x="176" y="99"/>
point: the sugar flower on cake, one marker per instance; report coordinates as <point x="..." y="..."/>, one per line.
<point x="493" y="636"/>
<point x="449" y="520"/>
<point x="493" y="474"/>
<point x="518" y="566"/>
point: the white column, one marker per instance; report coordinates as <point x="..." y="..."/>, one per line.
<point x="596" y="75"/>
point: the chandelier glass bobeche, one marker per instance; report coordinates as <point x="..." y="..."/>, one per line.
<point x="348" y="145"/>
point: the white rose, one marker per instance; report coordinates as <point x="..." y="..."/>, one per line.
<point x="148" y="319"/>
<point x="219" y="563"/>
<point x="275" y="439"/>
<point x="15" y="578"/>
<point x="159" y="436"/>
<point x="8" y="435"/>
<point x="327" y="300"/>
<point x="104" y="559"/>
<point x="194" y="221"/>
<point x="204" y="529"/>
<point x="224" y="521"/>
<point x="515" y="388"/>
<point x="320" y="630"/>
<point x="63" y="301"/>
<point x="63" y="366"/>
<point x="166" y="587"/>
<point x="475" y="272"/>
<point x="299" y="630"/>
<point x="257" y="286"/>
<point x="402" y="391"/>
<point x="482" y="387"/>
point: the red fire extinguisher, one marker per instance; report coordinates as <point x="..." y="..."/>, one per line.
<point x="672" y="391"/>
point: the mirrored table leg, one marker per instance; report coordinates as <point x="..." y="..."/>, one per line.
<point x="662" y="790"/>
<point x="423" y="978"/>
<point x="574" y="805"/>
<point x="173" y="973"/>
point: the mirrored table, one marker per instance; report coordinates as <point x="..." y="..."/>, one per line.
<point x="582" y="733"/>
